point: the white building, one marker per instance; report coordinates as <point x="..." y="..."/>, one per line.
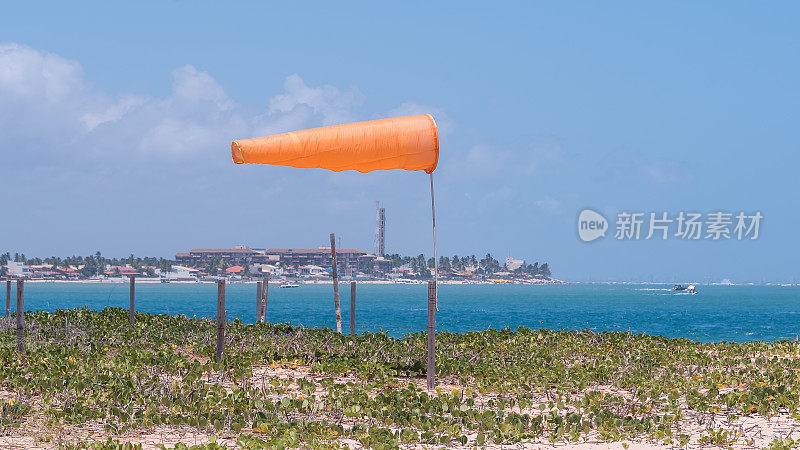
<point x="514" y="264"/>
<point x="17" y="269"/>
<point x="312" y="271"/>
<point x="182" y="273"/>
<point x="272" y="269"/>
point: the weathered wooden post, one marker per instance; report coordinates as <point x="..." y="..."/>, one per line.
<point x="20" y="317"/>
<point x="336" y="304"/>
<point x="263" y="313"/>
<point x="220" y="317"/>
<point x="352" y="307"/>
<point x="8" y="298"/>
<point x="133" y="300"/>
<point x="431" y="334"/>
<point x="259" y="298"/>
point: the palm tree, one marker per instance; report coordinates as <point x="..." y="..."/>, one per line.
<point x="545" y="270"/>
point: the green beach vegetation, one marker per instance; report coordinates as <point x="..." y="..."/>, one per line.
<point x="90" y="380"/>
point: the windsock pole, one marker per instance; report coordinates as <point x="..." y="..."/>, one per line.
<point x="435" y="259"/>
<point x="433" y="304"/>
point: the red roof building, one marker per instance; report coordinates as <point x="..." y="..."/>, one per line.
<point x="234" y="270"/>
<point x="124" y="271"/>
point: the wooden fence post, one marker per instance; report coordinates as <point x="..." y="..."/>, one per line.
<point x="263" y="313"/>
<point x="133" y="300"/>
<point x="259" y="298"/>
<point x="8" y="298"/>
<point x="20" y="317"/>
<point x="352" y="307"/>
<point x="336" y="304"/>
<point x="431" y="334"/>
<point x="220" y="317"/>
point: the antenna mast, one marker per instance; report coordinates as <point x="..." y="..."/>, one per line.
<point x="380" y="229"/>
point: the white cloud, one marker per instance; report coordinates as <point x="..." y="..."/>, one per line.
<point x="192" y="88"/>
<point x="112" y="112"/>
<point x="329" y="103"/>
<point x="198" y="117"/>
<point x="27" y="73"/>
<point x="46" y="96"/>
<point x="40" y="94"/>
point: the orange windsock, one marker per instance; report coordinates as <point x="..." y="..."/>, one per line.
<point x="409" y="143"/>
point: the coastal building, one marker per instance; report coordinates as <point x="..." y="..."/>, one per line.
<point x="374" y="264"/>
<point x="125" y="271"/>
<point x="182" y="273"/>
<point x="69" y="273"/>
<point x="240" y="255"/>
<point x="272" y="270"/>
<point x="235" y="270"/>
<point x="320" y="256"/>
<point x="514" y="264"/>
<point x="17" y="269"/>
<point x="350" y="260"/>
<point x="311" y="271"/>
<point x="47" y="272"/>
<point x="402" y="272"/>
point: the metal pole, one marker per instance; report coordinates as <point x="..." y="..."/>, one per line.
<point x="431" y="335"/>
<point x="435" y="259"/>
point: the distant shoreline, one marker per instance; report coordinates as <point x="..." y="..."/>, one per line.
<point x="382" y="282"/>
<point x="388" y="282"/>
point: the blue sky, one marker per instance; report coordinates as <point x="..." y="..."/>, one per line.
<point x="116" y="121"/>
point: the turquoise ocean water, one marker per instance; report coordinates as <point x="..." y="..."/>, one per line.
<point x="731" y="313"/>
